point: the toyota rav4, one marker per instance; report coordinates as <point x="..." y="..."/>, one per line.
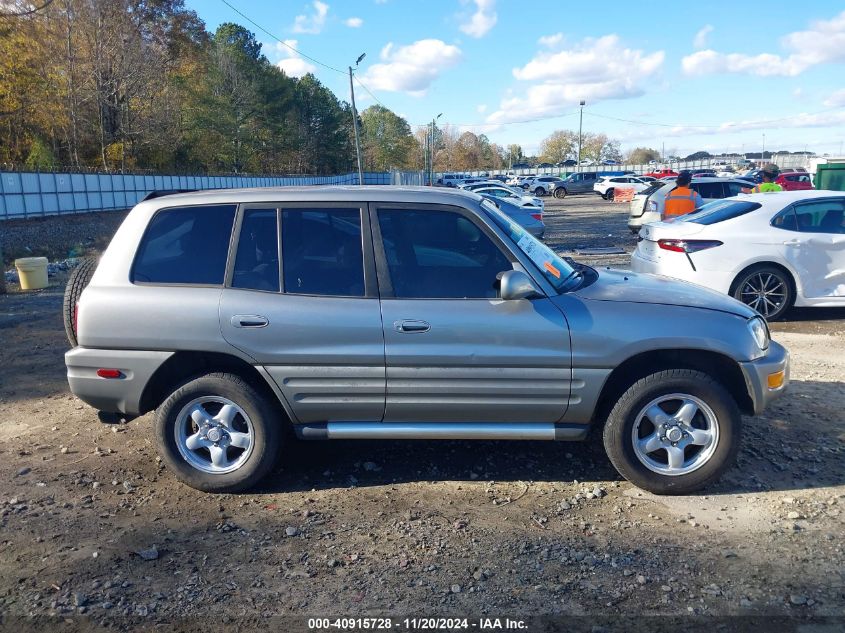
<point x="387" y="312"/>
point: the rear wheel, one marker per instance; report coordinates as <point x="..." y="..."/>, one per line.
<point x="767" y="289"/>
<point x="560" y="193"/>
<point x="76" y="283"/>
<point x="216" y="433"/>
<point x="673" y="432"/>
<point x="608" y="195"/>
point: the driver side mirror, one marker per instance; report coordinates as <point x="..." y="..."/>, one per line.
<point x="515" y="284"/>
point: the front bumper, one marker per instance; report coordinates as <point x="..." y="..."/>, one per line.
<point x="113" y="395"/>
<point x="757" y="373"/>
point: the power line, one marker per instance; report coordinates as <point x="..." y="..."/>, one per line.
<point x="281" y="41"/>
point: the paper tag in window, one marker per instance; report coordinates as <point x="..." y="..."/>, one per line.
<point x="548" y="266"/>
<point x="538" y="253"/>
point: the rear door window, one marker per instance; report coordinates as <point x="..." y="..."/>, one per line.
<point x="709" y="190"/>
<point x="821" y="216"/>
<point x="185" y="245"/>
<point x="257" y="259"/>
<point x="322" y="252"/>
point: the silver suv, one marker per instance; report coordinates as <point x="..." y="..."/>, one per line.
<point x="386" y="312"/>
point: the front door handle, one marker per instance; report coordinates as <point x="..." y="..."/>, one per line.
<point x="410" y="325"/>
<point x="250" y="321"/>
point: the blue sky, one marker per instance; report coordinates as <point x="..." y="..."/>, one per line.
<point x="517" y="70"/>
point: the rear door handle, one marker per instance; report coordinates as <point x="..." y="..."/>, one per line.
<point x="411" y="325"/>
<point x="792" y="242"/>
<point x="250" y="321"/>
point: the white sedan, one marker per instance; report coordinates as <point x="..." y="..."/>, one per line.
<point x="769" y="250"/>
<point x="514" y="196"/>
<point x="607" y="185"/>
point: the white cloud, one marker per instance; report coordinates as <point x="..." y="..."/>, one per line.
<point x="823" y="43"/>
<point x="802" y="120"/>
<point x="481" y="109"/>
<point x="411" y="68"/>
<point x="550" y="41"/>
<point x="836" y="99"/>
<point x="594" y="70"/>
<point x="482" y="20"/>
<point x="293" y="65"/>
<point x="700" y="39"/>
<point x="313" y="23"/>
<point x="353" y="23"/>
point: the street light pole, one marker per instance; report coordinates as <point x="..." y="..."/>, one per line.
<point x="355" y="122"/>
<point x="580" y="128"/>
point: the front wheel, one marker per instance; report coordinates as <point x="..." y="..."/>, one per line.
<point x="766" y="289"/>
<point x="560" y="193"/>
<point x="218" y="434"/>
<point x="539" y="191"/>
<point x="673" y="432"/>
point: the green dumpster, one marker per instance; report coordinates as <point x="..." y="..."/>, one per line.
<point x="830" y="176"/>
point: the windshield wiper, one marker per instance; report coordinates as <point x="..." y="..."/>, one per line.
<point x="574" y="273"/>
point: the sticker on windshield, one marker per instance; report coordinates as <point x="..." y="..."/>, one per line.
<point x="539" y="253"/>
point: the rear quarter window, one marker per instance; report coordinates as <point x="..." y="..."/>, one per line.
<point x="185" y="245"/>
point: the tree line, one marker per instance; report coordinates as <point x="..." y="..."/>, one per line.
<point x="142" y="84"/>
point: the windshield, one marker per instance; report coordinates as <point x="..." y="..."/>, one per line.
<point x="719" y="211"/>
<point x="556" y="271"/>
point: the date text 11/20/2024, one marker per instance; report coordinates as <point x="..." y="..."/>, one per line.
<point x="416" y="624"/>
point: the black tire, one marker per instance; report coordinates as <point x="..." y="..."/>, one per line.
<point x="76" y="283"/>
<point x="539" y="191"/>
<point x="560" y="193"/>
<point x="759" y="274"/>
<point x="608" y="195"/>
<point x="266" y="431"/>
<point x="618" y="430"/>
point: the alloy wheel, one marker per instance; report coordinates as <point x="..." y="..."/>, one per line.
<point x="675" y="434"/>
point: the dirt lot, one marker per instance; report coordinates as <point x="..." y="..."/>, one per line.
<point x="91" y="524"/>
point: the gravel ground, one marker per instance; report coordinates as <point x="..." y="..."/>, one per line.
<point x="93" y="526"/>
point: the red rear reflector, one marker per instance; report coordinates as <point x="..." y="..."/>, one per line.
<point x="109" y="373"/>
<point x="76" y="318"/>
<point x="537" y="216"/>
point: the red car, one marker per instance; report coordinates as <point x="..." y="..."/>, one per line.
<point x="794" y="180"/>
<point x="662" y="173"/>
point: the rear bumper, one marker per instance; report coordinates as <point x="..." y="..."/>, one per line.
<point x="114" y="395"/>
<point x="677" y="266"/>
<point x="757" y="374"/>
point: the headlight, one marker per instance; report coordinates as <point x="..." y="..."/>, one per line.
<point x="760" y="331"/>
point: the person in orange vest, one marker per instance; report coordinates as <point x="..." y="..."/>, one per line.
<point x="681" y="200"/>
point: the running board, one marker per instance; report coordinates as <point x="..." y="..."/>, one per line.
<point x="440" y="431"/>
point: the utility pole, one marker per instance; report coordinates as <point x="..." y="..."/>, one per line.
<point x="355" y="122"/>
<point x="431" y="150"/>
<point x="580" y="127"/>
<point x="763" y="155"/>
